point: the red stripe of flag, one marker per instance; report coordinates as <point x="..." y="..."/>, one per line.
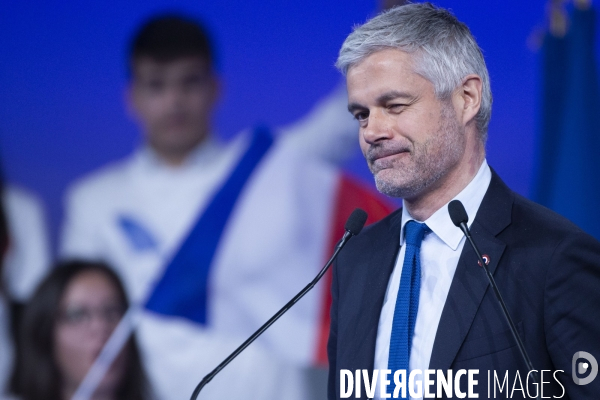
<point x="350" y="195"/>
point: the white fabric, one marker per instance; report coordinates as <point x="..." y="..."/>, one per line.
<point x="440" y="251"/>
<point x="25" y="264"/>
<point x="273" y="245"/>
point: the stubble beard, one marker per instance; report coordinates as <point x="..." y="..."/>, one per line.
<point x="428" y="161"/>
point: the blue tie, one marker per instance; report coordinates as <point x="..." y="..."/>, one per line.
<point x="407" y="302"/>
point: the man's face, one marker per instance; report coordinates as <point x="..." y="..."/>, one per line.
<point x="174" y="101"/>
<point x="410" y="138"/>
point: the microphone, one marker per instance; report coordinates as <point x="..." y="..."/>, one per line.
<point x="459" y="217"/>
<point x="353" y="226"/>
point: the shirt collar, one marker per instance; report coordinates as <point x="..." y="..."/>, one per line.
<point x="471" y="197"/>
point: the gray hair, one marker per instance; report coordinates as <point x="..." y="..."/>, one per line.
<point x="444" y="50"/>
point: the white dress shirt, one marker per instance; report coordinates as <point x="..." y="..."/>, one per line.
<point x="440" y="251"/>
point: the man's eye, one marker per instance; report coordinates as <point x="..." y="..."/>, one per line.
<point x="155" y="84"/>
<point x="396" y="107"/>
<point x="193" y="80"/>
<point x="362" y="116"/>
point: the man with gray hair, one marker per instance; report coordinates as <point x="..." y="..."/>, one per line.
<point x="408" y="294"/>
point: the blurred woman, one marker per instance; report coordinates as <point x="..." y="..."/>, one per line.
<point x="65" y="326"/>
<point x="24" y="261"/>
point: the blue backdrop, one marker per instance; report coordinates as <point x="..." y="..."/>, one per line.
<point x="63" y="74"/>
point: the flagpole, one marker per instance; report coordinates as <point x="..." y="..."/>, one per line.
<point x="109" y="352"/>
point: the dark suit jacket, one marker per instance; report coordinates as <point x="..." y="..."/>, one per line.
<point x="548" y="272"/>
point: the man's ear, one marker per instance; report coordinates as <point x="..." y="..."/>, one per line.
<point x="469" y="94"/>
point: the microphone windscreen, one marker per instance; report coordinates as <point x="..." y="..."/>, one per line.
<point x="457" y="212"/>
<point x="356" y="221"/>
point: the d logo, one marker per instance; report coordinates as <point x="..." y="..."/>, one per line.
<point x="583" y="367"/>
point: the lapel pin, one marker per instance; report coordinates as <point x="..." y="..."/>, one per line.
<point x="486" y="258"/>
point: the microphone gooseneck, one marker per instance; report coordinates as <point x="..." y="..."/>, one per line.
<point x="459" y="217"/>
<point x="353" y="226"/>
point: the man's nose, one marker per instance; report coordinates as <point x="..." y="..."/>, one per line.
<point x="379" y="127"/>
<point x="175" y="96"/>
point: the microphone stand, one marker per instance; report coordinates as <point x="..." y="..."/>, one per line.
<point x="513" y="329"/>
<point x="266" y="325"/>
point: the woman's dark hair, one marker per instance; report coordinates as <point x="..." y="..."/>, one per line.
<point x="3" y="236"/>
<point x="36" y="375"/>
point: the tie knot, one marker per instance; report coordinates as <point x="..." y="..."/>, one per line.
<point x="414" y="232"/>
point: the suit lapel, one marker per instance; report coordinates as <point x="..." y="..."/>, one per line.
<point x="375" y="284"/>
<point x="470" y="283"/>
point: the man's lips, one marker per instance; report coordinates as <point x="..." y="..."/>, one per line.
<point x="380" y="158"/>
